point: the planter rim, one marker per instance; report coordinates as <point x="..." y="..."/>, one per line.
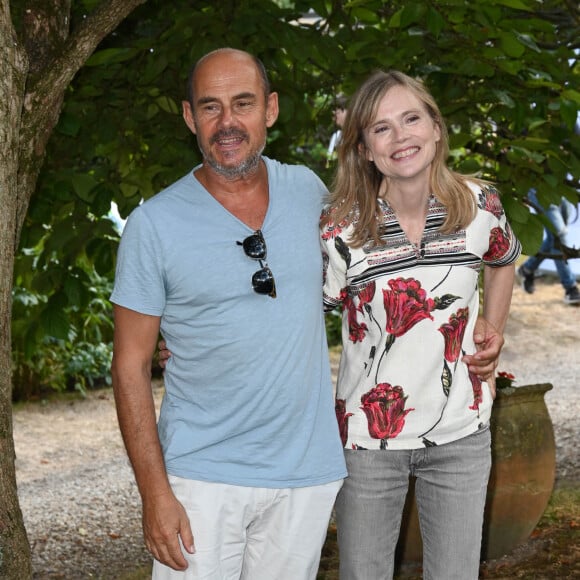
<point x="534" y="388"/>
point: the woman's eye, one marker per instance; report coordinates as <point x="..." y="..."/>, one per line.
<point x="381" y="129"/>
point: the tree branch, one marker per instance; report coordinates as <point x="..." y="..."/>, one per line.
<point x="45" y="92"/>
<point x="81" y="44"/>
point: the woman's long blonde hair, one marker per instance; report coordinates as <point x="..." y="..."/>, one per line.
<point x="357" y="181"/>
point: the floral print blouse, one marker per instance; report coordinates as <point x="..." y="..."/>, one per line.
<point x="408" y="315"/>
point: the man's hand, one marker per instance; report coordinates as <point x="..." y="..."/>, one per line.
<point x="488" y="342"/>
<point x="164" y="523"/>
<point x="164" y="354"/>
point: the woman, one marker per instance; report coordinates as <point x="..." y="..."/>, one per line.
<point x="404" y="239"/>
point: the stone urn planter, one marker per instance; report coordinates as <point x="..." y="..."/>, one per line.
<point x="521" y="480"/>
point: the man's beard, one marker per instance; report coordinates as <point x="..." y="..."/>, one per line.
<point x="243" y="169"/>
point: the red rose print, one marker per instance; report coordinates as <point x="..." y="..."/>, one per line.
<point x="384" y="407"/>
<point x="365" y="295"/>
<point x="493" y="203"/>
<point x="477" y="391"/>
<point x="332" y="230"/>
<point x="356" y="330"/>
<point x="342" y="418"/>
<point x="406" y="304"/>
<point x="499" y="245"/>
<point x="453" y="332"/>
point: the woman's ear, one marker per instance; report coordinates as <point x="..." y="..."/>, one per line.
<point x="437" y="132"/>
<point x="365" y="152"/>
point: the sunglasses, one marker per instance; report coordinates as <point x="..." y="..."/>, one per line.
<point x="255" y="248"/>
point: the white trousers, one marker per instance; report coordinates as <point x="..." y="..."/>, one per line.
<point x="252" y="533"/>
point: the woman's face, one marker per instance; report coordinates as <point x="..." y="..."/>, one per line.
<point x="401" y="140"/>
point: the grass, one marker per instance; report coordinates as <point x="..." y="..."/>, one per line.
<point x="551" y="553"/>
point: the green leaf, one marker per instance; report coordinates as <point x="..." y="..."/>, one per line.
<point x="512" y="67"/>
<point x="128" y="190"/>
<point x="530" y="234"/>
<point x="515" y="4"/>
<point x="469" y="166"/>
<point x="516" y="210"/>
<point x="435" y="22"/>
<point x="102" y="253"/>
<point x="83" y="185"/>
<point x="76" y="291"/>
<point x="457" y="140"/>
<point x="511" y="45"/>
<point x="528" y="41"/>
<point x="69" y="124"/>
<point x="365" y="15"/>
<point x="110" y="56"/>
<point x="534" y="123"/>
<point x="550" y="179"/>
<point x="504" y="98"/>
<point x="103" y="194"/>
<point x="571" y="95"/>
<point x="168" y="105"/>
<point x="522" y="153"/>
<point x="53" y="317"/>
<point x="412" y="13"/>
<point x="569" y="113"/>
<point x="395" y="20"/>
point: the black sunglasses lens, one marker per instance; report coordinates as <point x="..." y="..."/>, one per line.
<point x="255" y="247"/>
<point x="263" y="282"/>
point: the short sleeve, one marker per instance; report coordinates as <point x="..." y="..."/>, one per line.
<point x="504" y="248"/>
<point x="335" y="257"/>
<point x="139" y="281"/>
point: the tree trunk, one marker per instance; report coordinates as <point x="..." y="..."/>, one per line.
<point x="35" y="69"/>
<point x="14" y="550"/>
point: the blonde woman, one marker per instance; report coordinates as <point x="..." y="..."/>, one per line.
<point x="404" y="239"/>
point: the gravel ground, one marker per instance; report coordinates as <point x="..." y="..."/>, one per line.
<point x="78" y="496"/>
<point x="80" y="504"/>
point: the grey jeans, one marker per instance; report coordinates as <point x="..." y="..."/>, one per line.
<point x="450" y="491"/>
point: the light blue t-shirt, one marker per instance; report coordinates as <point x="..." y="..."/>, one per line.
<point x="248" y="396"/>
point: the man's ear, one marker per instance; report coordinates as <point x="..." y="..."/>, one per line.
<point x="188" y="116"/>
<point x="272" y="109"/>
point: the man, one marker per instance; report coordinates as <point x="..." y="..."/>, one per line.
<point x="241" y="479"/>
<point x="339" y="115"/>
<point x="560" y="216"/>
<point x="240" y="476"/>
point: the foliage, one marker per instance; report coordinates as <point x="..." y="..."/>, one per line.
<point x="504" y="72"/>
<point x="62" y="318"/>
<point x="333" y="322"/>
<point x="57" y="345"/>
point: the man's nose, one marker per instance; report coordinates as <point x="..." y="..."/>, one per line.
<point x="227" y="116"/>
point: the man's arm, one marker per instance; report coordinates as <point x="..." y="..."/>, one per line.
<point x="164" y="519"/>
<point x="488" y="334"/>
